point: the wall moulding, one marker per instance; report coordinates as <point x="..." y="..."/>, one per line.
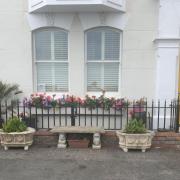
<point x="167" y="42"/>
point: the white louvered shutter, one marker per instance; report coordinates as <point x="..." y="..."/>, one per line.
<point x="51" y="47"/>
<point x="44" y="76"/>
<point x="111" y="76"/>
<point x="103" y="54"/>
<point x="94" y="81"/>
<point x="61" y="74"/>
<point x="61" y="45"/>
<point x="94" y="45"/>
<point x="111" y="45"/>
<point x="43" y="45"/>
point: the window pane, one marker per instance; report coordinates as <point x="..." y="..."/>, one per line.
<point x="44" y="77"/>
<point x="94" y="76"/>
<point x="111" y="76"/>
<point x="94" y="45"/>
<point x="43" y="45"/>
<point x="61" y="77"/>
<point x="60" y="45"/>
<point x="103" y="44"/>
<point x="112" y="45"/>
<point x="52" y="77"/>
<point x="51" y="45"/>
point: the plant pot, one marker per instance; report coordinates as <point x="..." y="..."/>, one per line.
<point x="17" y="139"/>
<point x="82" y="143"/>
<point x="135" y="141"/>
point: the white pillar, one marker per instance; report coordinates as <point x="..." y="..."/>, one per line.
<point x="167" y="68"/>
<point x="167" y="49"/>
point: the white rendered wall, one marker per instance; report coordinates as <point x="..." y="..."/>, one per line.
<point x="138" y="65"/>
<point x="138" y="24"/>
<point x="167" y="43"/>
<point x="15" y="44"/>
<point x="137" y="71"/>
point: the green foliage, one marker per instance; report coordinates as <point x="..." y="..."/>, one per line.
<point x="7" y="90"/>
<point x="38" y="102"/>
<point x="135" y="126"/>
<point x="105" y="102"/>
<point x="53" y="103"/>
<point x="14" y="125"/>
<point x="91" y="102"/>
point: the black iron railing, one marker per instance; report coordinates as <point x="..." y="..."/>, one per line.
<point x="156" y="115"/>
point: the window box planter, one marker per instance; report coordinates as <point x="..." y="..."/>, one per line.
<point x="135" y="141"/>
<point x="17" y="139"/>
<point x="78" y="143"/>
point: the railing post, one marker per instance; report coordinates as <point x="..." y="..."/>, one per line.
<point x="72" y="116"/>
<point x="152" y="114"/>
<point x="177" y="116"/>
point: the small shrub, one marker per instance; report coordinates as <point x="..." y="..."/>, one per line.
<point x="135" y="126"/>
<point x="14" y="125"/>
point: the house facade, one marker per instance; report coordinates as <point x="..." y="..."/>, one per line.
<point x="127" y="48"/>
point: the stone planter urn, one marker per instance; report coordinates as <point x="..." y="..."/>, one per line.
<point x="17" y="139"/>
<point x="135" y="141"/>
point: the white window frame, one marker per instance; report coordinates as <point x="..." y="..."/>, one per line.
<point x="35" y="84"/>
<point x="108" y="93"/>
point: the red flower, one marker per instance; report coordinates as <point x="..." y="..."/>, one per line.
<point x="94" y="97"/>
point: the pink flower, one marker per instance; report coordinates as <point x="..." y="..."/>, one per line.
<point x="49" y="98"/>
<point x="79" y="100"/>
<point x="41" y="96"/>
<point x="68" y="99"/>
<point x="82" y="101"/>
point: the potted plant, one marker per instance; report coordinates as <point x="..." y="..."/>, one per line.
<point x="135" y="136"/>
<point x="16" y="134"/>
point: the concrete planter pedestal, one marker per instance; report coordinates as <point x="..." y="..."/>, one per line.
<point x="135" y="141"/>
<point x="17" y="139"/>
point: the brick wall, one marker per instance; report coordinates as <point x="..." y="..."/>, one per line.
<point x="45" y="138"/>
<point x="109" y="139"/>
<point x="166" y="139"/>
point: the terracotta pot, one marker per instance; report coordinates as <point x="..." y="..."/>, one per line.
<point x="83" y="143"/>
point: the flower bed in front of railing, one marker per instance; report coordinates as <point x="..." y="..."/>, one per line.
<point x="46" y="101"/>
<point x="111" y="113"/>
